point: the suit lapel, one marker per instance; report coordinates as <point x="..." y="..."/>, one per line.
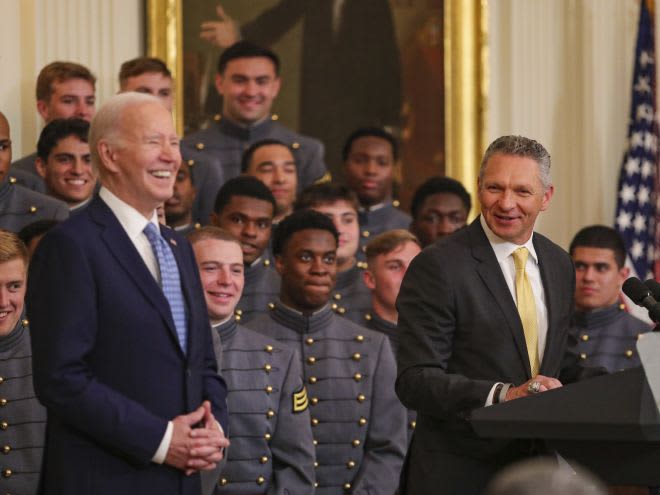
<point x="124" y="252"/>
<point x="491" y="274"/>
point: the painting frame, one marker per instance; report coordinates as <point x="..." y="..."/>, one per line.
<point x="465" y="51"/>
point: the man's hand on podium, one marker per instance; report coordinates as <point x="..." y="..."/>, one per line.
<point x="534" y="386"/>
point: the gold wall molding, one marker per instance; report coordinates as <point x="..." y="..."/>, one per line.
<point x="466" y="89"/>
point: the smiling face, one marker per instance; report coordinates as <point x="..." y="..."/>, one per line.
<point x="248" y="87"/>
<point x="250" y="221"/>
<point x="370" y="169"/>
<point x="274" y="165"/>
<point x="68" y="171"/>
<point x="221" y="268"/>
<point x="598" y="278"/>
<point x="153" y="83"/>
<point x="512" y="196"/>
<point x="69" y="98"/>
<point x="139" y="163"/>
<point x="12" y="293"/>
<point x="308" y="269"/>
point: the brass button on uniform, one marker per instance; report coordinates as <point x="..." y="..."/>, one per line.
<point x="217" y="117"/>
<point x="25" y="322"/>
<point x="311" y="360"/>
<point x="315" y="442"/>
<point x="274" y="117"/>
<point x="6" y="449"/>
<point x="3" y="402"/>
<point x="368" y="317"/>
<point x="191" y="162"/>
<point x="396" y="203"/>
<point x="362" y="421"/>
<point x="261" y="480"/>
<point x="223" y="481"/>
<point x="269" y="389"/>
<point x="314" y="400"/>
<point x="309" y="341"/>
<point x="347" y="486"/>
<point x="583" y="355"/>
<point x="365" y="233"/>
<point x="33" y="209"/>
<point x="334" y="306"/>
<point x="316" y="464"/>
<point x="361" y="398"/>
<point x="12" y="180"/>
<point x="337" y="297"/>
<point x="312" y="380"/>
<point x="359" y="338"/>
<point x="270" y="413"/>
<point x="316" y="485"/>
<point x="413" y="424"/>
<point x="315" y="422"/>
<point x="629" y="354"/>
<point x="267" y="436"/>
<point x="271" y="306"/>
<point x="199" y="146"/>
<point x="6" y="473"/>
<point x="295" y="146"/>
<point x="269" y="349"/>
<point x="350" y="464"/>
<point x="356" y="356"/>
<point x="239" y="312"/>
<point x="585" y="338"/>
<point x="263" y="459"/>
<point x="355" y="443"/>
<point x="357" y="377"/>
<point x="268" y="368"/>
<point x="4" y="425"/>
<point x="266" y="262"/>
<point x="341" y="311"/>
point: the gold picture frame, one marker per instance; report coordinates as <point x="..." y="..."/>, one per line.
<point x="465" y="51"/>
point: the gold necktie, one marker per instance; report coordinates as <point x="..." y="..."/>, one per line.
<point x="527" y="308"/>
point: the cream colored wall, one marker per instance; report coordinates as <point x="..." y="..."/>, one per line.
<point x="561" y="72"/>
<point x="100" y="34"/>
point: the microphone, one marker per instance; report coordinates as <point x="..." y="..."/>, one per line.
<point x="654" y="287"/>
<point x="641" y="296"/>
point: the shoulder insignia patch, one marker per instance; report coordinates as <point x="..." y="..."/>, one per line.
<point x="300" y="401"/>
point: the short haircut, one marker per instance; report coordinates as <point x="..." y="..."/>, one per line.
<point x="35" y="229"/>
<point x="378" y="132"/>
<point x="57" y="130"/>
<point x="324" y="194"/>
<point x="141" y="65"/>
<point x="57" y="72"/>
<point x="297" y="221"/>
<point x="520" y="146"/>
<point x="602" y="237"/>
<point x="249" y="153"/>
<point x="243" y="185"/>
<point x="438" y="185"/>
<point x="11" y="247"/>
<point x="105" y="124"/>
<point x="246" y="49"/>
<point x="211" y="232"/>
<point x="388" y="241"/>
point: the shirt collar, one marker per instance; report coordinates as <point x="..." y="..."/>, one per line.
<point x="503" y="249"/>
<point x="130" y="219"/>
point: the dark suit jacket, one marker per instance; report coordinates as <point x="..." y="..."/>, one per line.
<point x="460" y="333"/>
<point x="107" y="362"/>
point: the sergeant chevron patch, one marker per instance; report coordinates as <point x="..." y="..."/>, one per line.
<point x="300" y="402"/>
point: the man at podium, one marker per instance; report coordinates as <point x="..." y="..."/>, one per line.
<point x="483" y="318"/>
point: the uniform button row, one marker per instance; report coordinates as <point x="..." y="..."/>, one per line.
<point x="224" y="481"/>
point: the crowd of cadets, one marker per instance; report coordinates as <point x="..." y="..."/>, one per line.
<point x="300" y="276"/>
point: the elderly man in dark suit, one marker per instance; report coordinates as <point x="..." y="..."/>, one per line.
<point x="483" y="316"/>
<point x="123" y="357"/>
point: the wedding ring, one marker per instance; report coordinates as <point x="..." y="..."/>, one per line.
<point x="534" y="387"/>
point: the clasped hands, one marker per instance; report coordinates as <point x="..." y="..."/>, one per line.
<point x="197" y="442"/>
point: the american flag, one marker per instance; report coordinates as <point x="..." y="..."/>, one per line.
<point x="637" y="211"/>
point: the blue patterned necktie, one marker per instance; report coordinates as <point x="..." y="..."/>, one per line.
<point x="170" y="281"/>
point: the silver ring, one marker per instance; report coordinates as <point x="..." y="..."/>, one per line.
<point x="534" y="387"/>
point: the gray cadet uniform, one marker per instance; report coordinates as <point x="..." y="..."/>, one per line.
<point x="271" y="439"/>
<point x="20" y="206"/>
<point x="606" y="338"/>
<point x="207" y="177"/>
<point x="262" y="286"/>
<point x="350" y="293"/>
<point x="25" y="171"/>
<point x="381" y="218"/>
<point x="227" y="141"/>
<point x="22" y="417"/>
<point x="372" y="321"/>
<point x="357" y="421"/>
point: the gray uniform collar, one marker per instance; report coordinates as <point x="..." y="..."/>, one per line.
<point x="299" y="322"/>
<point x="14" y="337"/>
<point x="597" y="317"/>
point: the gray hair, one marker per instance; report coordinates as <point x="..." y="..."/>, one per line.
<point x="105" y="124"/>
<point x="544" y="476"/>
<point x="520" y="146"/>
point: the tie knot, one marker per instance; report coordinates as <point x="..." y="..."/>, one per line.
<point x="520" y="258"/>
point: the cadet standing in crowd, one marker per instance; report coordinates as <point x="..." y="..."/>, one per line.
<point x="248" y="80"/>
<point x="357" y="422"/>
<point x="20" y="206"/>
<point x="178" y="208"/>
<point x="272" y="450"/>
<point x="370" y="155"/>
<point x="245" y="207"/>
<point x="603" y="333"/>
<point x="23" y="419"/>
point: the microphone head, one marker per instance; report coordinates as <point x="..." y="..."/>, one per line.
<point x="654" y="287"/>
<point x="635" y="290"/>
